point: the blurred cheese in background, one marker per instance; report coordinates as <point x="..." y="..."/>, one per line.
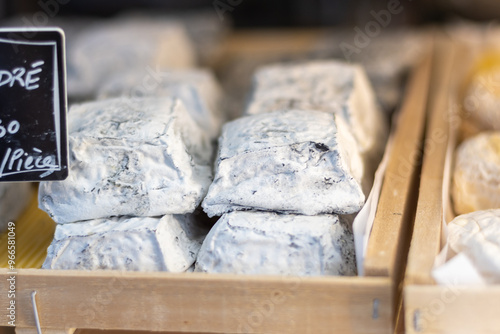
<point x="476" y="177"/>
<point x="121" y="46"/>
<point x="130" y="42"/>
<point x="482" y="93"/>
<point x="204" y="28"/>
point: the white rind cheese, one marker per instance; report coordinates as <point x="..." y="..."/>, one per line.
<point x="286" y="161"/>
<point x="262" y="243"/>
<point x="130" y="157"/>
<point x="477" y="235"/>
<point x="476" y="176"/>
<point x="170" y="243"/>
<point x="14" y="197"/>
<point x="198" y="89"/>
<point x="123" y="45"/>
<point x="330" y="86"/>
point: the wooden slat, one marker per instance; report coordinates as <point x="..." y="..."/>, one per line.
<point x="453" y="310"/>
<point x="450" y="72"/>
<point x="269" y="45"/>
<point x="201" y="303"/>
<point x="98" y="331"/>
<point x="426" y="240"/>
<point x="399" y="323"/>
<point x="393" y="221"/>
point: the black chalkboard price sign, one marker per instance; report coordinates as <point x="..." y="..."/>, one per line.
<point x="33" y="106"/>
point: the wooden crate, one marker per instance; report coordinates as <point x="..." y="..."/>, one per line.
<point x="203" y="303"/>
<point x="430" y="308"/>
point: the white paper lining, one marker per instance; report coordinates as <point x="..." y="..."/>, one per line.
<point x="363" y="222"/>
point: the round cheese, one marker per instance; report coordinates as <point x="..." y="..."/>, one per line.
<point x="476" y="177"/>
<point x="482" y="95"/>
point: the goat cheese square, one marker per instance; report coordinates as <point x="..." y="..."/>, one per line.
<point x="130" y="157"/>
<point x="169" y="243"/>
<point x="293" y="161"/>
<point x="330" y="86"/>
<point x="264" y="243"/>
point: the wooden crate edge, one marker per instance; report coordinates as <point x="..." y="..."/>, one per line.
<point x="198" y="303"/>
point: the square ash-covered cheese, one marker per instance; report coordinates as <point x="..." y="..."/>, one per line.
<point x="169" y="243"/>
<point x="330" y="86"/>
<point x="265" y="243"/>
<point x="135" y="157"/>
<point x="292" y="161"/>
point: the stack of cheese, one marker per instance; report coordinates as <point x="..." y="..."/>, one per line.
<point x="139" y="168"/>
<point x="476" y="175"/>
<point x="332" y="87"/>
<point x="475" y="188"/>
<point x="287" y="171"/>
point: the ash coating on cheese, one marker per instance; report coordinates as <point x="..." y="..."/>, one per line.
<point x="130" y="157"/>
<point x="197" y="88"/>
<point x="169" y="243"/>
<point x="121" y="45"/>
<point x="477" y="235"/>
<point x="476" y="175"/>
<point x="330" y="86"/>
<point x="264" y="243"/>
<point x="286" y="161"/>
<point x="14" y="198"/>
